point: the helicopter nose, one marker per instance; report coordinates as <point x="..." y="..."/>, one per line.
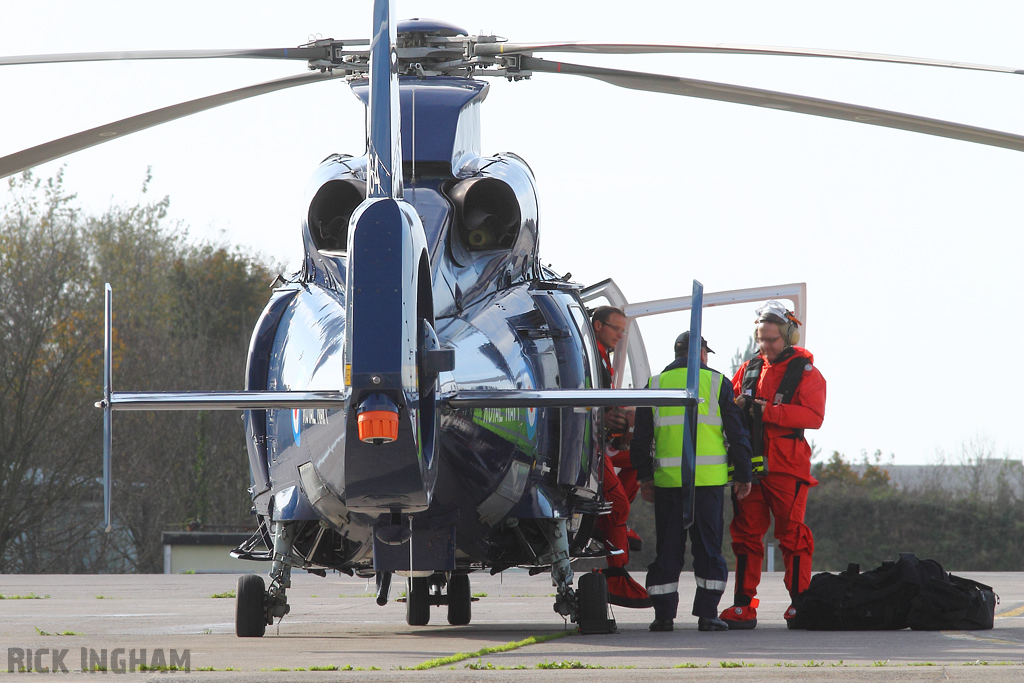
<point x="377" y="419"/>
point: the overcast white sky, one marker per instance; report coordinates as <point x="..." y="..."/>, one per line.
<point x="910" y="245"/>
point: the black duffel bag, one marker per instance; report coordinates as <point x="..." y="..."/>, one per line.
<point x="879" y="599"/>
<point x="952" y="602"/>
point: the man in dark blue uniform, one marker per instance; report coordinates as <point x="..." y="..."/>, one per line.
<point x="657" y="453"/>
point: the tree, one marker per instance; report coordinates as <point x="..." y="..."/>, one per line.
<point x="182" y="317"/>
<point x="47" y="350"/>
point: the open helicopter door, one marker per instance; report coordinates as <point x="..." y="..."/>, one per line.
<point x="639" y="370"/>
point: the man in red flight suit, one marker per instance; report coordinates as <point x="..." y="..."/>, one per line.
<point x="619" y="489"/>
<point x="782" y="394"/>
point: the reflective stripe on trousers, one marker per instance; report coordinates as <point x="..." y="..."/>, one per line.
<point x="663" y="589"/>
<point x="710" y="584"/>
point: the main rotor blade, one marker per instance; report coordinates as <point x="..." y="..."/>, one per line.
<point x="303" y="53"/>
<point x="494" y="49"/>
<point x="25" y="159"/>
<point x="771" y="99"/>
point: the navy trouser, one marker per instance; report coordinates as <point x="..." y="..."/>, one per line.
<point x="709" y="568"/>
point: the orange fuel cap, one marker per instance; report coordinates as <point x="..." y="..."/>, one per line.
<point x="378" y="426"/>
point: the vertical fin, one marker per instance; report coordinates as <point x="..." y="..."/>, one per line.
<point x="107" y="391"/>
<point x="383" y="132"/>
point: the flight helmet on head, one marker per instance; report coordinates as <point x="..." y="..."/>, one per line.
<point x="775" y="311"/>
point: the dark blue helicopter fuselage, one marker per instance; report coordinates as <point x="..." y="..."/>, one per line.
<point x="511" y="323"/>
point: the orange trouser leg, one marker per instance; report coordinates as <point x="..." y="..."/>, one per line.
<point x="789" y="503"/>
<point x="613" y="525"/>
<point x="750" y="522"/>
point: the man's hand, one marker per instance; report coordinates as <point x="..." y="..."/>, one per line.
<point x="647" y="490"/>
<point x="741" y="490"/>
<point x="616" y="420"/>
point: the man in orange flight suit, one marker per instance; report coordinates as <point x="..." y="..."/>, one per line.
<point x="782" y="394"/>
<point x="619" y="488"/>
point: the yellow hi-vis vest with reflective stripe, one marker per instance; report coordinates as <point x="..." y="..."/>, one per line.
<point x="712" y="461"/>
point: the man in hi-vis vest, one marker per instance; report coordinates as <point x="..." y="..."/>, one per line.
<point x="657" y="452"/>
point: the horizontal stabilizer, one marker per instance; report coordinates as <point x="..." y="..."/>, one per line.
<point x="223" y="400"/>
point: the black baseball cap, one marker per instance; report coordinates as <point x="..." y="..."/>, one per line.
<point x="683" y="343"/>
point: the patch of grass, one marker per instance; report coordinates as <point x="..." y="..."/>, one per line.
<point x="60" y="633"/>
<point x="691" y="665"/>
<point x="812" y="663"/>
<point x="361" y="595"/>
<point x="104" y="597"/>
<point x="879" y="662"/>
<point x="162" y="667"/>
<point x="574" y="664"/>
<point x="839" y="663"/>
<point x="30" y="596"/>
<point x="225" y="594"/>
<point x="326" y="667"/>
<point x="483" y="652"/>
<point x="920" y="664"/>
<point x="480" y="666"/>
<point x="188" y="571"/>
<point x="204" y="668"/>
<point x="734" y="665"/>
<point x="280" y="668"/>
<point x="479" y="595"/>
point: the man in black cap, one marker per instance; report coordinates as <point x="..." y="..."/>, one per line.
<point x="721" y="438"/>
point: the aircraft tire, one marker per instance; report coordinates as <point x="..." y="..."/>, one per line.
<point x="250" y="607"/>
<point x="592" y="597"/>
<point x="417" y="601"/>
<point x="460" y="600"/>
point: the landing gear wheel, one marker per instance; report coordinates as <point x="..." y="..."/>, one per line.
<point x="417" y="602"/>
<point x="251" y="607"/>
<point x="460" y="600"/>
<point x="592" y="605"/>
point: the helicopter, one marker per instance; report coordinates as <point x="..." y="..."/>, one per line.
<point x="469" y="363"/>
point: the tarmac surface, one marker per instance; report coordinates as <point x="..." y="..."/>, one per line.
<point x="337" y="632"/>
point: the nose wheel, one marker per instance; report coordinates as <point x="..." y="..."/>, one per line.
<point x="417" y="601"/>
<point x="460" y="600"/>
<point x="425" y="592"/>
